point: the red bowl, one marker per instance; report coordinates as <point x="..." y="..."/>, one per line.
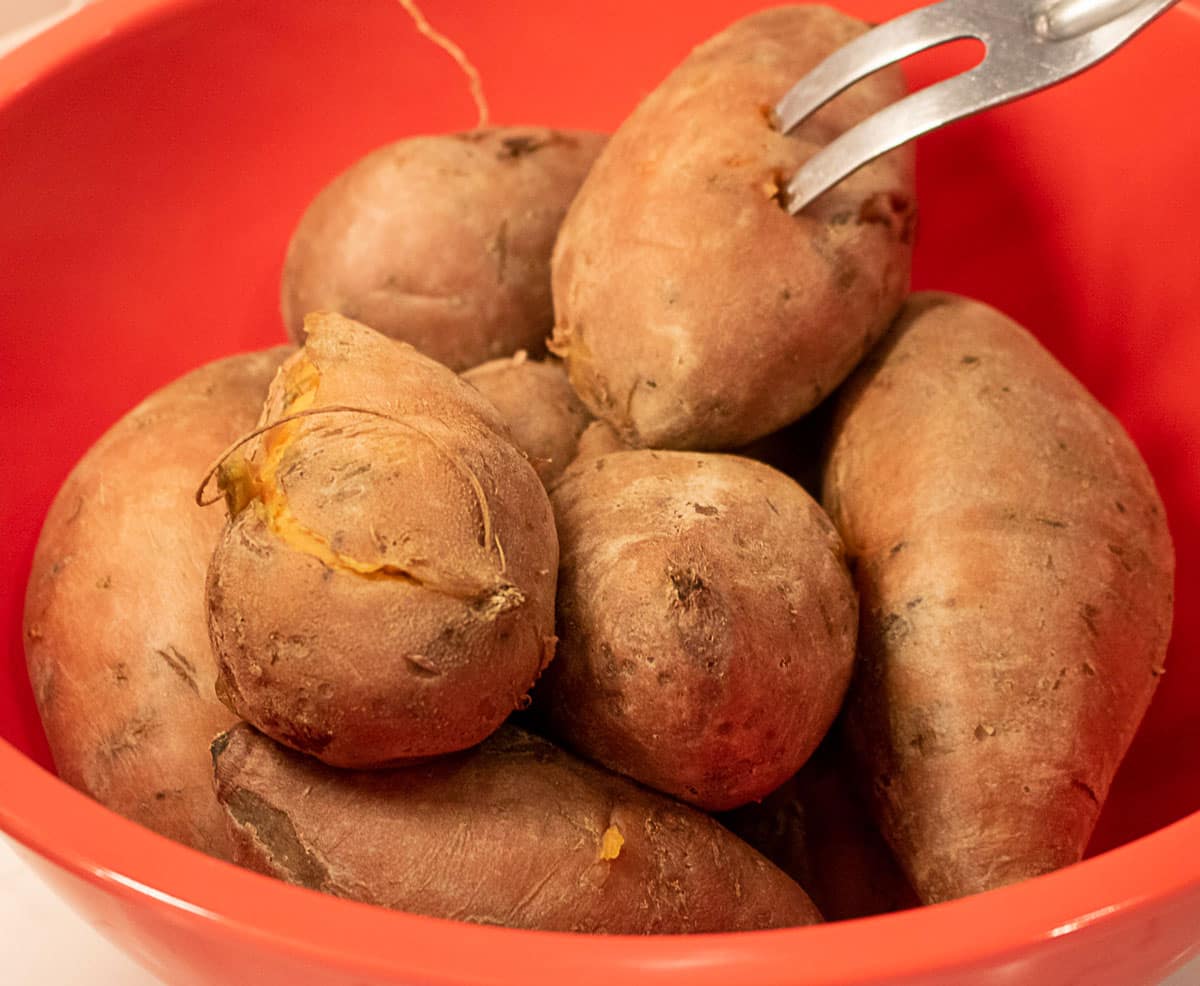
<point x="156" y="154"/>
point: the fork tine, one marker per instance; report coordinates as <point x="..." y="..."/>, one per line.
<point x="901" y="122"/>
<point x="881" y="46"/>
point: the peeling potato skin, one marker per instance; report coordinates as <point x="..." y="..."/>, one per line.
<point x="733" y="318"/>
<point x="543" y="412"/>
<point x="1016" y="576"/>
<point x="115" y="636"/>
<point x="510" y="833"/>
<point x="358" y="670"/>
<point x="706" y="623"/>
<point x="443" y="241"/>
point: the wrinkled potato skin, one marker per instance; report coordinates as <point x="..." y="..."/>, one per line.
<point x="706" y="621"/>
<point x="510" y="833"/>
<point x="439" y="635"/>
<point x="443" y="242"/>
<point x="1016" y="574"/>
<point x="543" y="412"/>
<point x="115" y="635"/>
<point x="731" y="317"/>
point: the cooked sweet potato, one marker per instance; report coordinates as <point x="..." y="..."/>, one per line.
<point x="443" y="242"/>
<point x="1016" y="578"/>
<point x="706" y="621"/>
<point x="115" y="634"/>
<point x="514" y="832"/>
<point x="692" y="310"/>
<point x="541" y="409"/>
<point x="385" y="586"/>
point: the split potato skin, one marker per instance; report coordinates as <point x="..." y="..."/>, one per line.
<point x="732" y="317"/>
<point x="443" y="241"/>
<point x="115" y="636"/>
<point x="384" y="589"/>
<point x="706" y="623"/>
<point x="1016" y="575"/>
<point x="543" y="413"/>
<point x="519" y="834"/>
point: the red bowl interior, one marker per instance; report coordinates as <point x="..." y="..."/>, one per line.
<point x="156" y="155"/>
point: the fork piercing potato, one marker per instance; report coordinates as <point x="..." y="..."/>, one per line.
<point x="514" y="832"/>
<point x="706" y="619"/>
<point x="384" y="588"/>
<point x="115" y="636"/>
<point x="1016" y="577"/>
<point x="442" y="241"/>
<point x="692" y="310"/>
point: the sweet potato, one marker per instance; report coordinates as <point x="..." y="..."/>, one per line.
<point x="385" y="586"/>
<point x="692" y="310"/>
<point x="542" y="412"/>
<point x="1016" y="578"/>
<point x="706" y="621"/>
<point x="115" y="634"/>
<point x="443" y="242"/>
<point x="514" y="832"/>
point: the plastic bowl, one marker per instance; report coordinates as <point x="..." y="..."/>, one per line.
<point x="156" y="154"/>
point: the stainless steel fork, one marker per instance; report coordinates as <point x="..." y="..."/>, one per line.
<point x="1031" y="44"/>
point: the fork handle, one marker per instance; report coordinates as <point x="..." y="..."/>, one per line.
<point x="1059" y="20"/>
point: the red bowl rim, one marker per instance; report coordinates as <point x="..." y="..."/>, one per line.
<point x="133" y="864"/>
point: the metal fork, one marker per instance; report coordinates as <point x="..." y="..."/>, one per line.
<point x="1031" y="44"/>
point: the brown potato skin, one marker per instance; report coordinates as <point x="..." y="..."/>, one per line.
<point x="1016" y="577"/>
<point x="115" y="635"/>
<point x="706" y="623"/>
<point x="542" y="411"/>
<point x="443" y="242"/>
<point x="430" y="647"/>
<point x="731" y="317"/>
<point x="509" y="833"/>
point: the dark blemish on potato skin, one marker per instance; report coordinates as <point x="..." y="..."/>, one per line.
<point x="970" y="360"/>
<point x="1088" y="613"/>
<point x="179" y="663"/>
<point x="500" y="249"/>
<point x="104" y="583"/>
<point x="705" y="510"/>
<point x="897" y="548"/>
<point x="914" y="602"/>
<point x="1086" y="789"/>
<point x="1120" y="506"/>
<point x="274" y="830"/>
<point x="1051" y="522"/>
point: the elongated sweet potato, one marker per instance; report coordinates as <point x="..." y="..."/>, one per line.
<point x="385" y="586"/>
<point x="1016" y="578"/>
<point x="706" y="622"/>
<point x="692" y="310"/>
<point x="442" y="241"/>
<point x="115" y="634"/>
<point x="514" y="832"/>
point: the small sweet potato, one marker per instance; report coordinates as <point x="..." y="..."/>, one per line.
<point x="443" y="242"/>
<point x="706" y="621"/>
<point x="514" y="832"/>
<point x="115" y="635"/>
<point x="384" y="589"/>
<point x="1016" y="578"/>
<point x="692" y="310"/>
<point x="542" y="411"/>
